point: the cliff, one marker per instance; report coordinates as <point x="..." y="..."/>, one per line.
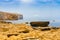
<point x="10" y="16"/>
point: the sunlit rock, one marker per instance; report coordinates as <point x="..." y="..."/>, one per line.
<point x="10" y="16"/>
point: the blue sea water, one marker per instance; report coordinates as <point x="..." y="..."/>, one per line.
<point x="55" y="23"/>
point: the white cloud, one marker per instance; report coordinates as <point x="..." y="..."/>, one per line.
<point x="6" y="2"/>
<point x="35" y="1"/>
<point x="26" y="1"/>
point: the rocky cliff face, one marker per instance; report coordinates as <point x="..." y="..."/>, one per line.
<point x="10" y="16"/>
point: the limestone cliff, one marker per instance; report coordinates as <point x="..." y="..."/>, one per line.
<point x="10" y="16"/>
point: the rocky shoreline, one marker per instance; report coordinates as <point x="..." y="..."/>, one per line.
<point x="10" y="31"/>
<point x="10" y="16"/>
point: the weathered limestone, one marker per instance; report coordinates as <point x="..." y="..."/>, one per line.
<point x="10" y="16"/>
<point x="40" y="23"/>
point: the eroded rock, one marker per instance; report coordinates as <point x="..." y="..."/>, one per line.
<point x="10" y="16"/>
<point x="40" y="23"/>
<point x="46" y="29"/>
<point x="12" y="35"/>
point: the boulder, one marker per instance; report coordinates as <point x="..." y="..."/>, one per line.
<point x="40" y="23"/>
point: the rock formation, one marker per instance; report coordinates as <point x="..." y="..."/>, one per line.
<point x="40" y="23"/>
<point x="10" y="16"/>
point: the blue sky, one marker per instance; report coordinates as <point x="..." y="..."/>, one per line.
<point x="33" y="9"/>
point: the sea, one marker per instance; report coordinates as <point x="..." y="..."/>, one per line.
<point x="53" y="23"/>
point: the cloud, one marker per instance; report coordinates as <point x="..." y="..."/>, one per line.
<point x="35" y="1"/>
<point x="29" y="1"/>
<point x="39" y="2"/>
<point x="8" y="1"/>
<point x="26" y="1"/>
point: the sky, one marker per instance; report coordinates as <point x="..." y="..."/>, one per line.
<point x="33" y="9"/>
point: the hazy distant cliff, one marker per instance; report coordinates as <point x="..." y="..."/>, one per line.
<point x="10" y="16"/>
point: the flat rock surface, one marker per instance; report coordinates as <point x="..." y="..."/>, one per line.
<point x="26" y="32"/>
